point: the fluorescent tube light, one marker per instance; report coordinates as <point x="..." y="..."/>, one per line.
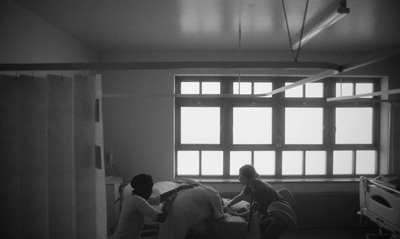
<point x="350" y="97"/>
<point x="320" y="24"/>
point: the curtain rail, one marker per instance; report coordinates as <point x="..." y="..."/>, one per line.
<point x="166" y="65"/>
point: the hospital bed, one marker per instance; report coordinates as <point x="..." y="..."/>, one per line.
<point x="231" y="227"/>
<point x="380" y="202"/>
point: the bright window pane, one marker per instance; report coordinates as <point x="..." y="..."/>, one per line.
<point x="252" y="125"/>
<point x="211" y="88"/>
<point x="292" y="163"/>
<point x="245" y="88"/>
<point x="315" y="163"/>
<point x="314" y="90"/>
<point x="303" y="125"/>
<point x="262" y="88"/>
<point x="364" y="88"/>
<point x="342" y="162"/>
<point x="190" y="88"/>
<point x="211" y="162"/>
<point x="238" y="159"/>
<point x="354" y="125"/>
<point x="188" y="163"/>
<point x="200" y="125"/>
<point x="294" y="92"/>
<point x="365" y="162"/>
<point x="344" y="89"/>
<point x="264" y="162"/>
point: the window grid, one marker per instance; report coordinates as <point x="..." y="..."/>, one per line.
<point x="279" y="103"/>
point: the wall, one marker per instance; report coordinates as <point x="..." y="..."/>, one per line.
<point x="324" y="209"/>
<point x="141" y="142"/>
<point x="26" y="38"/>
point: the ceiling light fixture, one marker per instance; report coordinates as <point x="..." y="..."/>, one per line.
<point x="320" y="24"/>
<point x="351" y="97"/>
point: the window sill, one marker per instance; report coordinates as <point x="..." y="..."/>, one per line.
<point x="296" y="185"/>
<point x="286" y="180"/>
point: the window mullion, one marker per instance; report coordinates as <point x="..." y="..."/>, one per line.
<point x="329" y="125"/>
<point x="278" y="128"/>
<point x="226" y="121"/>
<point x="304" y="163"/>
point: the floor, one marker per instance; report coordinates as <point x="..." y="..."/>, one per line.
<point x="330" y="233"/>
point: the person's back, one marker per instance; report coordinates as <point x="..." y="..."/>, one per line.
<point x="264" y="194"/>
<point x="190" y="208"/>
<point x="198" y="202"/>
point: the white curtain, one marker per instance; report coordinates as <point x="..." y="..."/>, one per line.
<point x="52" y="184"/>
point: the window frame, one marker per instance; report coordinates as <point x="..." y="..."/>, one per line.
<point x="278" y="102"/>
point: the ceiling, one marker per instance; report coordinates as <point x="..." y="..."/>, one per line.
<point x="113" y="25"/>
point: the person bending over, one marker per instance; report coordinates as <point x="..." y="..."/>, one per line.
<point x="190" y="208"/>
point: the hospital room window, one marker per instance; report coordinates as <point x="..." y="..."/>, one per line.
<point x="207" y="163"/>
<point x="309" y="90"/>
<point x="348" y="89"/>
<point x="252" y="125"/>
<point x="292" y="134"/>
<point x="304" y="163"/>
<point x="303" y="125"/>
<point x="359" y="162"/>
<point x="200" y="125"/>
<point x="354" y="125"/>
<point x="200" y="88"/>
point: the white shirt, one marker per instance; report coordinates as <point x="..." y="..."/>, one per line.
<point x="134" y="208"/>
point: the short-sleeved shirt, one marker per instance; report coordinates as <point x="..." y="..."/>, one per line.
<point x="131" y="219"/>
<point x="200" y="202"/>
<point x="263" y="194"/>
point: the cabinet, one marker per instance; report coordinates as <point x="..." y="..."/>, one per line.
<point x="113" y="203"/>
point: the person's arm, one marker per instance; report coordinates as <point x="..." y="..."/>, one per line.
<point x="216" y="205"/>
<point x="151" y="212"/>
<point x="236" y="199"/>
<point x="155" y="200"/>
<point x="161" y="217"/>
<point x="243" y="214"/>
<point x="147" y="210"/>
<point x="166" y="195"/>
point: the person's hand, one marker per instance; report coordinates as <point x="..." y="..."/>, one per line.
<point x="233" y="213"/>
<point x="226" y="208"/>
<point x="230" y="211"/>
<point x="268" y="219"/>
<point x="167" y="204"/>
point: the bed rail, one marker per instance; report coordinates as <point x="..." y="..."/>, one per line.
<point x="381" y="204"/>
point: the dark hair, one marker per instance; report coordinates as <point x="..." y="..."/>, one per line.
<point x="248" y="171"/>
<point x="142" y="181"/>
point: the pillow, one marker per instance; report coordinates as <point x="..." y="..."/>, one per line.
<point x="239" y="207"/>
